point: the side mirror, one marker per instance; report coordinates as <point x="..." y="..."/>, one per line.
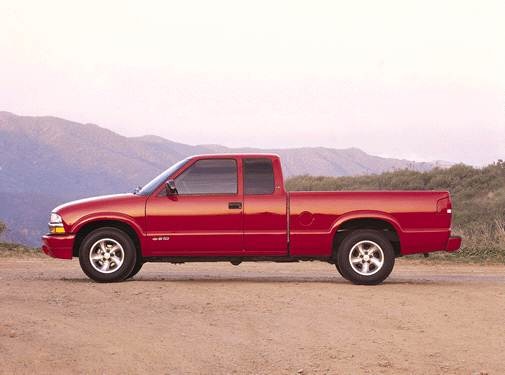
<point x="171" y="189"/>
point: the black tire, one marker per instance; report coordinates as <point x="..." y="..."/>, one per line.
<point x="136" y="269"/>
<point x="110" y="238"/>
<point x="376" y="251"/>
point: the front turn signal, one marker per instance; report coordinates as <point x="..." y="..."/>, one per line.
<point x="56" y="229"/>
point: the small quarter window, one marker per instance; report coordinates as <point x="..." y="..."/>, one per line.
<point x="209" y="176"/>
<point x="258" y="176"/>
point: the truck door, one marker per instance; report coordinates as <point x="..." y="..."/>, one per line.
<point x="204" y="218"/>
<point x="265" y="222"/>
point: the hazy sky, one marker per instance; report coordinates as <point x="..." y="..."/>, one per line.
<point x="414" y="79"/>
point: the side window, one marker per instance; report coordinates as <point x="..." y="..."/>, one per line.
<point x="210" y="176"/>
<point x="258" y="176"/>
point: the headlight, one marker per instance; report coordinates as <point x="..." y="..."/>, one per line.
<point x="56" y="224"/>
<point x="55" y="219"/>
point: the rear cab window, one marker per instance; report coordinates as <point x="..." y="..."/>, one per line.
<point x="258" y="176"/>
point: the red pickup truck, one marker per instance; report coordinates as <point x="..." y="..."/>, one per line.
<point x="234" y="207"/>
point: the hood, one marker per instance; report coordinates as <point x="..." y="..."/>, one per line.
<point x="102" y="207"/>
<point x="92" y="201"/>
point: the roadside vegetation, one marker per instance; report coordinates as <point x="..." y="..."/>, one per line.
<point x="15" y="250"/>
<point x="478" y="196"/>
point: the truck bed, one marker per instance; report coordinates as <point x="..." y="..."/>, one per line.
<point x="315" y="217"/>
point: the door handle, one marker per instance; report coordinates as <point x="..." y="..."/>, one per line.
<point x="235" y="205"/>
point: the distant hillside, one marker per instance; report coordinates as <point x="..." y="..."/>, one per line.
<point x="478" y="196"/>
<point x="45" y="161"/>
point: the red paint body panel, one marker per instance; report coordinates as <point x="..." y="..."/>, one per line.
<point x="453" y="244"/>
<point x="265" y="225"/>
<point x="297" y="224"/>
<point x="195" y="225"/>
<point x="412" y="214"/>
<point x="58" y="246"/>
<point x="265" y="220"/>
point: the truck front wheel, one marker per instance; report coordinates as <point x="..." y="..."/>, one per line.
<point x="366" y="257"/>
<point x="107" y="255"/>
<point x="136" y="269"/>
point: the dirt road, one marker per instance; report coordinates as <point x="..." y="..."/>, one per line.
<point x="255" y="318"/>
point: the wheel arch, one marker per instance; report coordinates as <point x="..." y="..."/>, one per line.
<point x="85" y="228"/>
<point x="374" y="221"/>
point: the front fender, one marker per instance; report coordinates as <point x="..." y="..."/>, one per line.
<point x="109" y="216"/>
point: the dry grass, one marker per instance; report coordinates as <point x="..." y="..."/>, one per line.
<point x="16" y="251"/>
<point x="484" y="241"/>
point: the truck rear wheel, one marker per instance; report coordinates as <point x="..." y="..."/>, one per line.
<point x="366" y="257"/>
<point x="107" y="255"/>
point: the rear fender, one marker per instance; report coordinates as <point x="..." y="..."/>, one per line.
<point x="353" y="215"/>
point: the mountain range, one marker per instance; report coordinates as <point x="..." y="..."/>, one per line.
<point x="45" y="161"/>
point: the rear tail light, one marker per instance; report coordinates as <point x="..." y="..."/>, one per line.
<point x="444" y="206"/>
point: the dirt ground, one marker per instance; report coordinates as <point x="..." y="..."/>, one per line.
<point x="259" y="318"/>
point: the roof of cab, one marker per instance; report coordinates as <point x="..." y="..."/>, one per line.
<point x="234" y="155"/>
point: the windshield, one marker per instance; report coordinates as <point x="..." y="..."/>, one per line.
<point x="161" y="178"/>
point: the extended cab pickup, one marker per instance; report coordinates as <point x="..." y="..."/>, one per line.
<point x="234" y="207"/>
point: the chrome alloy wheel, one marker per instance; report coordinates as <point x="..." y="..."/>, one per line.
<point x="106" y="255"/>
<point x="366" y="258"/>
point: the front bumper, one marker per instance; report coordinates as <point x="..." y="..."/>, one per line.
<point x="453" y="244"/>
<point x="58" y="246"/>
